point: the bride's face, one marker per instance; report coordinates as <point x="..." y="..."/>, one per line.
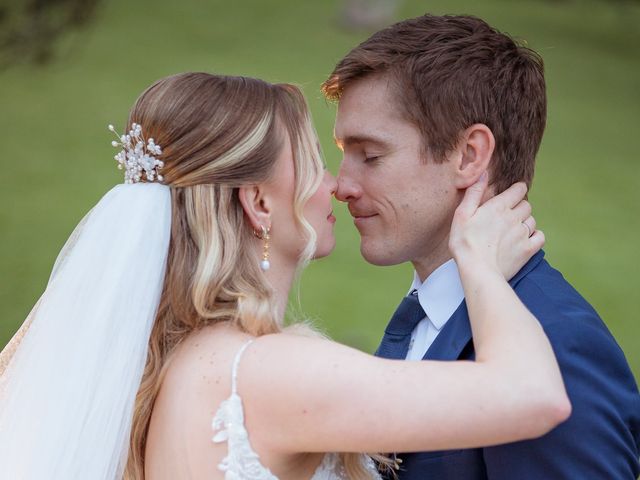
<point x="318" y="211"/>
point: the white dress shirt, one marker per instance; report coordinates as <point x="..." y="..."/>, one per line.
<point x="440" y="295"/>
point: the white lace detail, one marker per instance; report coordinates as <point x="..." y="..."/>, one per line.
<point x="242" y="462"/>
<point x="331" y="468"/>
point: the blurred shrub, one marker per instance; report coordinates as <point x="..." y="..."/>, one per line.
<point x="30" y="29"/>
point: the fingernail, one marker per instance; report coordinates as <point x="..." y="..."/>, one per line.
<point x="484" y="176"/>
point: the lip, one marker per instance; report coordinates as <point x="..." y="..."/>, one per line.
<point x="361" y="220"/>
<point x="331" y="218"/>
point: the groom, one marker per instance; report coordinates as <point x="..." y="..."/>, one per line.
<point x="424" y="107"/>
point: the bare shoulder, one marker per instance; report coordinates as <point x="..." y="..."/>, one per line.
<point x="198" y="375"/>
<point x="197" y="379"/>
<point x="205" y="356"/>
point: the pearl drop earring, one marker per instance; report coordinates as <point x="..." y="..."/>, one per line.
<point x="264" y="264"/>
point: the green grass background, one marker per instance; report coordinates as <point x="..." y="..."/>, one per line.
<point x="56" y="158"/>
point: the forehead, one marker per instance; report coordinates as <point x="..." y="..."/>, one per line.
<point x="369" y="108"/>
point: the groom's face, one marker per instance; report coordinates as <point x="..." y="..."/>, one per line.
<point x="401" y="201"/>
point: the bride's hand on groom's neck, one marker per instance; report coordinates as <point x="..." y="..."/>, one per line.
<point x="499" y="234"/>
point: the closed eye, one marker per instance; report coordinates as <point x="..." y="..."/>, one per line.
<point x="371" y="158"/>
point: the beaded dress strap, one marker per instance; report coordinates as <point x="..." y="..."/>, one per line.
<point x="234" y="371"/>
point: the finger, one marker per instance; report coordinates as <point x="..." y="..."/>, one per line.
<point x="522" y="210"/>
<point x="537" y="240"/>
<point x="511" y="196"/>
<point x="473" y="195"/>
<point x="530" y="223"/>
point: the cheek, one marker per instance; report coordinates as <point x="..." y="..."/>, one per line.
<point x="410" y="215"/>
<point x="397" y="209"/>
<point x="317" y="212"/>
<point x="318" y="206"/>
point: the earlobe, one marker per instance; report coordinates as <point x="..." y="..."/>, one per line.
<point x="255" y="207"/>
<point x="475" y="151"/>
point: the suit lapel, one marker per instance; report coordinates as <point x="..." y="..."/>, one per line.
<point x="456" y="334"/>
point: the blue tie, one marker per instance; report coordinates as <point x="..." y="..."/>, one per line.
<point x="397" y="335"/>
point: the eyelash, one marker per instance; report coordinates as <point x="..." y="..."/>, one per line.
<point x="371" y="159"/>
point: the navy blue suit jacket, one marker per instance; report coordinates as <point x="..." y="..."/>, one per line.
<point x="601" y="439"/>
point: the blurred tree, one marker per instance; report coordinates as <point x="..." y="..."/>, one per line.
<point x="30" y="29"/>
<point x="368" y="14"/>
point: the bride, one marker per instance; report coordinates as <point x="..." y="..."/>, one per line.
<point x="158" y="349"/>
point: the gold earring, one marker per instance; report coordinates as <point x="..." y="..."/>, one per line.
<point x="264" y="235"/>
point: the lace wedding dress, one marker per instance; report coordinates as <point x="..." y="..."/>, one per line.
<point x="242" y="462"/>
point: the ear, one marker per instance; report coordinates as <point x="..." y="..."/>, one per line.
<point x="475" y="150"/>
<point x="256" y="206"/>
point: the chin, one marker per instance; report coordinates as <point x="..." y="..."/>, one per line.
<point x="379" y="256"/>
<point x="325" y="247"/>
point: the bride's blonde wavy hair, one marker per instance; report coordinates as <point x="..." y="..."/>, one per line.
<point x="218" y="133"/>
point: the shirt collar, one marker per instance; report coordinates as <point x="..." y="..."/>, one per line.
<point x="440" y="294"/>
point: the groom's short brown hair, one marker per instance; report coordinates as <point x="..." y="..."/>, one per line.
<point x="450" y="72"/>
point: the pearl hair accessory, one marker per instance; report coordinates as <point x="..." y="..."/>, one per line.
<point x="264" y="235"/>
<point x="136" y="157"/>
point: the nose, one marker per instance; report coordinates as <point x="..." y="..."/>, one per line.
<point x="348" y="189"/>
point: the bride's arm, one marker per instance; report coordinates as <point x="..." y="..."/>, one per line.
<point x="307" y="395"/>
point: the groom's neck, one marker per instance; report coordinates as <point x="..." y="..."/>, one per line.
<point x="426" y="265"/>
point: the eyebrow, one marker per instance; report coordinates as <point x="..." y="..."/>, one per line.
<point x="356" y="139"/>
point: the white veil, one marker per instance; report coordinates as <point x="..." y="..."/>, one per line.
<point x="68" y="391"/>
